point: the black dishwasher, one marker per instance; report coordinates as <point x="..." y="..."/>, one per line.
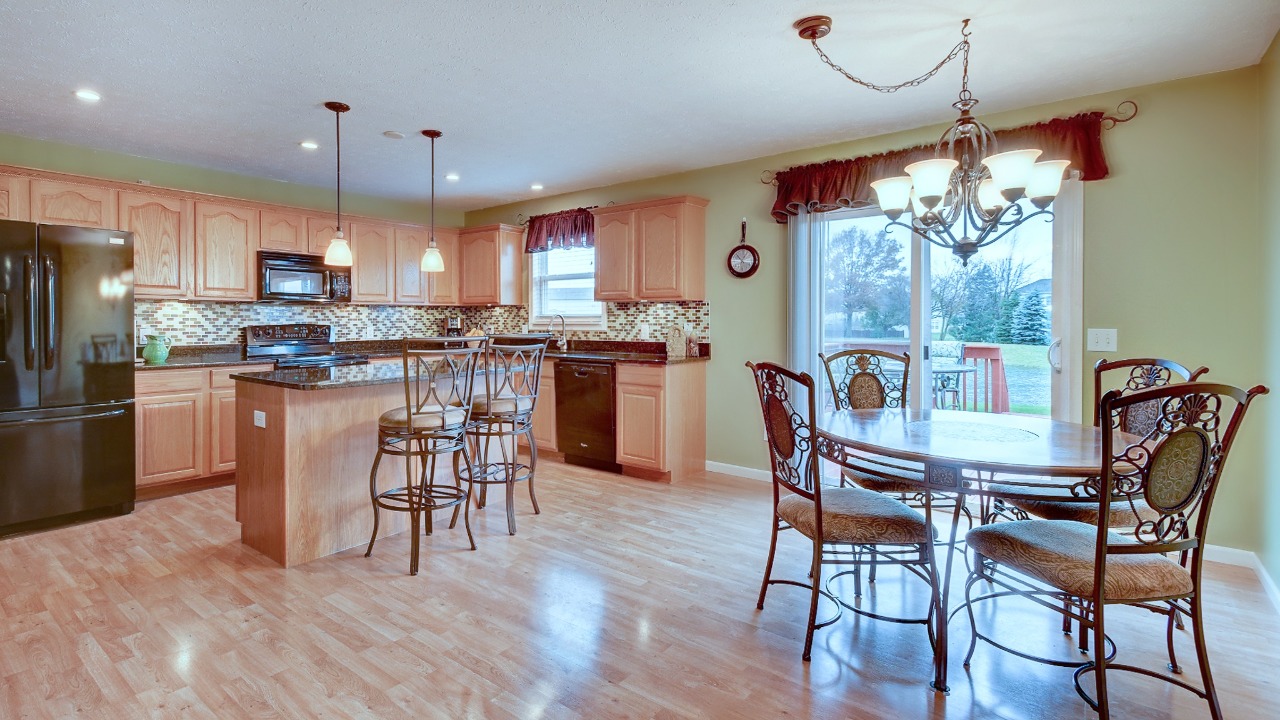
<point x="585" y="426"/>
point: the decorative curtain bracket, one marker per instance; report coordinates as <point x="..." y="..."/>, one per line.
<point x="1125" y="112"/>
<point x="769" y="177"/>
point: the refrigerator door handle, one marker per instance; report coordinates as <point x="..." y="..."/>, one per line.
<point x="50" y="314"/>
<point x="29" y="307"/>
<point x="63" y="418"/>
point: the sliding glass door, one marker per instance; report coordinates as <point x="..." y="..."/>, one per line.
<point x="998" y="335"/>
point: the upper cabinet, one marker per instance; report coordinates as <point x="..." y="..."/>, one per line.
<point x="411" y="282"/>
<point x="442" y="287"/>
<point x="373" y="269"/>
<point x="490" y="261"/>
<point x="226" y="242"/>
<point x="64" y="203"/>
<point x="652" y="250"/>
<point x="15" y="198"/>
<point x="282" y="231"/>
<point x="161" y="247"/>
<point x="320" y="231"/>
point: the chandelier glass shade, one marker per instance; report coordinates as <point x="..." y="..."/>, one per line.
<point x="966" y="196"/>
<point x="432" y="260"/>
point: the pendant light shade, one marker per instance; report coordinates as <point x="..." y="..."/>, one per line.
<point x="339" y="251"/>
<point x="432" y="260"/>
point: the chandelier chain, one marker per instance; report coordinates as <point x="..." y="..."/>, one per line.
<point x="961" y="47"/>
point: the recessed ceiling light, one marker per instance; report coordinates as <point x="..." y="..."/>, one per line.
<point x="536" y="186"/>
<point x="452" y="177"/>
<point x="394" y="134"/>
<point x="88" y="95"/>
<point x="309" y="144"/>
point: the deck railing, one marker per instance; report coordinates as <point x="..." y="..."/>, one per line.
<point x="984" y="390"/>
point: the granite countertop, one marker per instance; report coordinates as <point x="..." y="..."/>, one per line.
<point x="327" y="378"/>
<point x="624" y="357"/>
<point x="198" y="356"/>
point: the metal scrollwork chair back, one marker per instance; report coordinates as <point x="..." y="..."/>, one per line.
<point x="790" y="419"/>
<point x="867" y="379"/>
<point x="1143" y="373"/>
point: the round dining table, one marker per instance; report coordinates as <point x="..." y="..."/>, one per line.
<point x="959" y="450"/>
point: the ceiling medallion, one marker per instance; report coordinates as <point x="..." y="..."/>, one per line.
<point x="966" y="197"/>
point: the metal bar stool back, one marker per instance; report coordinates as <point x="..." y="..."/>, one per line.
<point x="504" y="413"/>
<point x="439" y="389"/>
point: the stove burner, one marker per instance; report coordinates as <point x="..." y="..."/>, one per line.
<point x="296" y="345"/>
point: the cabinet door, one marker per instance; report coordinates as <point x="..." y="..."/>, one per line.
<point x="283" y="231"/>
<point x="479" y="265"/>
<point x="544" y="412"/>
<point x="222" y="431"/>
<point x="61" y="203"/>
<point x="373" y="269"/>
<point x="161" y="249"/>
<point x="443" y="286"/>
<point x="171" y="434"/>
<point x="614" y="257"/>
<point x="15" y="198"/>
<point x="411" y="283"/>
<point x="641" y="419"/>
<point x="226" y="240"/>
<point x="320" y="231"/>
<point x="658" y="237"/>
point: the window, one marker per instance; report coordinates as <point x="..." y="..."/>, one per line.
<point x="562" y="282"/>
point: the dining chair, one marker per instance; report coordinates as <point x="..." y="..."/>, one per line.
<point x="884" y="530"/>
<point x="1142" y="373"/>
<point x="439" y="381"/>
<point x="1174" y="469"/>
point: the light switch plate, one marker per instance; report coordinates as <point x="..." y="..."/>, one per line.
<point x="259" y="418"/>
<point x="1101" y="340"/>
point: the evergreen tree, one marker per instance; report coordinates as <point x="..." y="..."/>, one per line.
<point x="1031" y="323"/>
<point x="981" y="306"/>
<point x="1008" y="311"/>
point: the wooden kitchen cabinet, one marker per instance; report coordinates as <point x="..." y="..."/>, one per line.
<point x="651" y="250"/>
<point x="442" y="287"/>
<point x="222" y="431"/>
<point x="615" y="256"/>
<point x="161" y="243"/>
<point x="64" y="203"/>
<point x="226" y="243"/>
<point x="15" y="198"/>
<point x="661" y="416"/>
<point x="490" y="261"/>
<point x="320" y="232"/>
<point x="544" y="412"/>
<point x="373" y="269"/>
<point x="410" y="281"/>
<point x="282" y="231"/>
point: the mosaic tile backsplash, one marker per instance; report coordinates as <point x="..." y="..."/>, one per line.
<point x="220" y="323"/>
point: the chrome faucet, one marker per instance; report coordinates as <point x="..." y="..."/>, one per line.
<point x="560" y="342"/>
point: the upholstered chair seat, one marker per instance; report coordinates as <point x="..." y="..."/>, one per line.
<point x="1061" y="553"/>
<point x="857" y="516"/>
<point x="1122" y="513"/>
<point x="429" y="417"/>
<point x="504" y="404"/>
<point x="873" y="478"/>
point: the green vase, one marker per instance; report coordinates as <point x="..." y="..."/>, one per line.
<point x="157" y="349"/>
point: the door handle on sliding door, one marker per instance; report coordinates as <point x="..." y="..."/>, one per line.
<point x="50" y="313"/>
<point x="1055" y="361"/>
<point x="29" y="308"/>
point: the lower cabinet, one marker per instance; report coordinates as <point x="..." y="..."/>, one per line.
<point x="544" y="412"/>
<point x="661" y="419"/>
<point x="186" y="423"/>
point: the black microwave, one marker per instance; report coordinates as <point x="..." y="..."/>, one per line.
<point x="289" y="277"/>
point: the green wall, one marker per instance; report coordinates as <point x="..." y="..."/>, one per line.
<point x="46" y="155"/>
<point x="1270" y="410"/>
<point x="1172" y="248"/>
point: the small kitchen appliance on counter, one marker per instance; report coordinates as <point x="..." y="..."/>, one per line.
<point x="453" y="326"/>
<point x="299" y="345"/>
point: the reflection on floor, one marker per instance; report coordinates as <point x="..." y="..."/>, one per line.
<point x="623" y="599"/>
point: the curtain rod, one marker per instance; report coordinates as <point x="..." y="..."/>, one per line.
<point x="1125" y="111"/>
<point x="523" y="221"/>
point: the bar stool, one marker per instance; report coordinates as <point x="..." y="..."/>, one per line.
<point x="513" y="368"/>
<point x="439" y="384"/>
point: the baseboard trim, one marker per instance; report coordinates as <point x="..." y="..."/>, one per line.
<point x="738" y="471"/>
<point x="1244" y="558"/>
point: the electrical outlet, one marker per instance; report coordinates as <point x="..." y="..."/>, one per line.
<point x="143" y="331"/>
<point x="259" y="418"/>
<point x="644" y="331"/>
<point x="1101" y="340"/>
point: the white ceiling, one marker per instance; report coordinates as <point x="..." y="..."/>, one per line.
<point x="569" y="93"/>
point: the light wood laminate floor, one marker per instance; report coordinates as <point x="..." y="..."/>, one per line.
<point x="624" y="599"/>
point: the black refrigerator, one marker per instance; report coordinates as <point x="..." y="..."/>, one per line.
<point x="66" y="375"/>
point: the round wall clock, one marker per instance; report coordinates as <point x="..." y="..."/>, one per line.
<point x="743" y="259"/>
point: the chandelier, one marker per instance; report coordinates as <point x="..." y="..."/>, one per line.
<point x="338" y="253"/>
<point x="966" y="197"/>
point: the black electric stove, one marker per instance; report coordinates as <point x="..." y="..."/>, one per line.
<point x="296" y="346"/>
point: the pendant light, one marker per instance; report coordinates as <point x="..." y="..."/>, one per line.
<point x="339" y="252"/>
<point x="432" y="260"/>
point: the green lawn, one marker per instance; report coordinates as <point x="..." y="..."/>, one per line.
<point x="1027" y="371"/>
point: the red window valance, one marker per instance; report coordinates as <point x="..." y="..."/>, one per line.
<point x="839" y="184"/>
<point x="564" y="229"/>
